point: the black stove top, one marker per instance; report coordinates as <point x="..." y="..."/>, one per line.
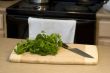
<point x="59" y="9"/>
<point x="61" y="6"/>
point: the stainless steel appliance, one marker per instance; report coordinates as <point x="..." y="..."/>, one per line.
<point x="41" y="4"/>
<point x="39" y="1"/>
<point x="17" y="17"/>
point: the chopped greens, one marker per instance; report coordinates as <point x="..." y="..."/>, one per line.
<point x="43" y="44"/>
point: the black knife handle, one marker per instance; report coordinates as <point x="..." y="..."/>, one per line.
<point x="64" y="45"/>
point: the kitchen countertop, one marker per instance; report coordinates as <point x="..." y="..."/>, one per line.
<point x="102" y="13"/>
<point x="6" y="46"/>
<point x="5" y="4"/>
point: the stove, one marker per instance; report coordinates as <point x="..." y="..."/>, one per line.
<point x="17" y="18"/>
<point x="60" y="9"/>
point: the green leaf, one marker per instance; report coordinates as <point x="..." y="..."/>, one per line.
<point x="43" y="44"/>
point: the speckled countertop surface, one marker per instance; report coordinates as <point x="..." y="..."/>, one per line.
<point x="5" y="4"/>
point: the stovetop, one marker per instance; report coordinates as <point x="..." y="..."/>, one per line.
<point x="61" y="6"/>
<point x="60" y="9"/>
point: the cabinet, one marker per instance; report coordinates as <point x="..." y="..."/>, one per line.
<point x="1" y="26"/>
<point x="3" y="5"/>
<point x="103" y="21"/>
<point x="104" y="30"/>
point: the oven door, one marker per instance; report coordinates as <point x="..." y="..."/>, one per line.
<point x="17" y="27"/>
<point x="85" y="32"/>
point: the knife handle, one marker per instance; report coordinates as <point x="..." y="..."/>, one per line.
<point x="64" y="45"/>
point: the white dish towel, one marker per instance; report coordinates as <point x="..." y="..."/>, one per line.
<point x="66" y="28"/>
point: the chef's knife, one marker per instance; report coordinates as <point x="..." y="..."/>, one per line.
<point x="77" y="51"/>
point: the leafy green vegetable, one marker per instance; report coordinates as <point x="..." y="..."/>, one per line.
<point x="43" y="44"/>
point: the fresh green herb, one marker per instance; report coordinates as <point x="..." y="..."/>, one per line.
<point x="43" y="44"/>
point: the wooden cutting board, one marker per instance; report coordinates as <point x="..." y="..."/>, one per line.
<point x="64" y="56"/>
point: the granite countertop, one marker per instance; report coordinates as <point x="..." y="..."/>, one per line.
<point x="102" y="13"/>
<point x="6" y="46"/>
<point x="5" y="4"/>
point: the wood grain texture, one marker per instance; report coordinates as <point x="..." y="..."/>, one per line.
<point x="64" y="56"/>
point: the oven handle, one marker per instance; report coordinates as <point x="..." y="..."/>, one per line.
<point x="85" y="21"/>
<point x="26" y="18"/>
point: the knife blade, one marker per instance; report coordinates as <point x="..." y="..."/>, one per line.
<point x="77" y="51"/>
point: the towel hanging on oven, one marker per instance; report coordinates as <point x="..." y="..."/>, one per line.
<point x="66" y="28"/>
